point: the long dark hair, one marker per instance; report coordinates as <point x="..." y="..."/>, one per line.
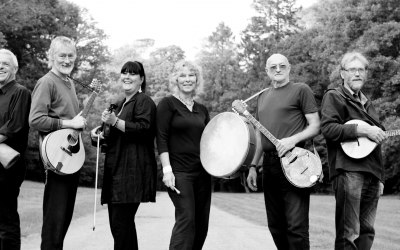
<point x="135" y="68"/>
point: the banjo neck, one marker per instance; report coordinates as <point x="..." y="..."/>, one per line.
<point x="393" y="132"/>
<point x="267" y="134"/>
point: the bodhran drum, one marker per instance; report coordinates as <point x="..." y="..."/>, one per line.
<point x="228" y="142"/>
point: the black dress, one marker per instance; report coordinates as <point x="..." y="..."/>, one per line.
<point x="130" y="167"/>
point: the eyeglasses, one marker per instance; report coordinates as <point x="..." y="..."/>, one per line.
<point x="354" y="70"/>
<point x="274" y="68"/>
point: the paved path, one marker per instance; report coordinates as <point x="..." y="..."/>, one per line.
<point x="154" y="223"/>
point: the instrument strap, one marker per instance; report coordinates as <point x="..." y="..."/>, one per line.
<point x="365" y="112"/>
<point x="256" y="94"/>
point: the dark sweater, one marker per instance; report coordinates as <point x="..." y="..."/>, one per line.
<point x="179" y="132"/>
<point x="335" y="112"/>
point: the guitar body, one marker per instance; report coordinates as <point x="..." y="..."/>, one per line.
<point x="304" y="170"/>
<point x="360" y="147"/>
<point x="61" y="153"/>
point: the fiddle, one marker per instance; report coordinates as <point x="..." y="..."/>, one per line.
<point x="106" y="128"/>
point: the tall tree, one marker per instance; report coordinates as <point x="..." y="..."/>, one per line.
<point x="221" y="71"/>
<point x="159" y="67"/>
<point x="275" y="20"/>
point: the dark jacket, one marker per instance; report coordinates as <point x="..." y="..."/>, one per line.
<point x="130" y="166"/>
<point x="334" y="113"/>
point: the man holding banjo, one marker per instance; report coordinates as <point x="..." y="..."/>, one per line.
<point x="15" y="101"/>
<point x="289" y="112"/>
<point x="347" y="115"/>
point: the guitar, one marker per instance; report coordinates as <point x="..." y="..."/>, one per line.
<point x="301" y="167"/>
<point x="62" y="151"/>
<point x="362" y="146"/>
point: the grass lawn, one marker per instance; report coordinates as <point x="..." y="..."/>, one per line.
<point x="30" y="205"/>
<point x="322" y="217"/>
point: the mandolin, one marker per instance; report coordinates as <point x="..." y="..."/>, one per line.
<point x="62" y="151"/>
<point x="301" y="167"/>
<point x="362" y="146"/>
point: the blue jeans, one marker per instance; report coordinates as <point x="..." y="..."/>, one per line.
<point x="287" y="208"/>
<point x="357" y="196"/>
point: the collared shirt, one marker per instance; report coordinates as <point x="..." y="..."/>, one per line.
<point x="360" y="97"/>
<point x="15" y="101"/>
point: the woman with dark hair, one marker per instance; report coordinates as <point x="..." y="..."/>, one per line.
<point x="130" y="167"/>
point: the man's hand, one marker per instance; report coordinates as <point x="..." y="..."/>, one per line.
<point x="374" y="133"/>
<point x="286" y="145"/>
<point x="78" y="122"/>
<point x="252" y="179"/>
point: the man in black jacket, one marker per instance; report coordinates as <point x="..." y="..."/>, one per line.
<point x="357" y="183"/>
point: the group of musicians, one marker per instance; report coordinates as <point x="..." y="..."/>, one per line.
<point x="287" y="109"/>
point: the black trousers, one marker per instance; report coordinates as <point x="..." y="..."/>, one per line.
<point x="122" y="224"/>
<point x="192" y="210"/>
<point x="287" y="208"/>
<point x="10" y="182"/>
<point x="58" y="208"/>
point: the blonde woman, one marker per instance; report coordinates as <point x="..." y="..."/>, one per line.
<point x="180" y="123"/>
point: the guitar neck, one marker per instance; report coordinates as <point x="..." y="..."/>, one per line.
<point x="85" y="112"/>
<point x="262" y="128"/>
<point x="393" y="132"/>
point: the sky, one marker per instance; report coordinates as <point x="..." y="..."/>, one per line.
<point x="185" y="23"/>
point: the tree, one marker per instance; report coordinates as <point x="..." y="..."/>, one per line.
<point x="27" y="28"/>
<point x="221" y="71"/>
<point x="275" y="21"/>
<point x="159" y="67"/>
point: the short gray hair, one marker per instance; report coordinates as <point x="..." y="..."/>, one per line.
<point x="13" y="57"/>
<point x="193" y="68"/>
<point x="55" y="43"/>
<point x="352" y="56"/>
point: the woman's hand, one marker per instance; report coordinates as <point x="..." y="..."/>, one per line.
<point x="95" y="132"/>
<point x="169" y="181"/>
<point x="108" y="117"/>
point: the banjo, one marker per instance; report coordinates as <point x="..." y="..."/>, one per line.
<point x="362" y="146"/>
<point x="301" y="167"/>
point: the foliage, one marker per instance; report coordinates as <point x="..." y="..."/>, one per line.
<point x="221" y="70"/>
<point x="158" y="69"/>
<point x="313" y="40"/>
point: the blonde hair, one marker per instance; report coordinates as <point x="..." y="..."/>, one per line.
<point x="177" y="69"/>
<point x="55" y="44"/>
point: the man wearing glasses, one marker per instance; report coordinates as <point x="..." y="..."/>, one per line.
<point x="288" y="110"/>
<point x="357" y="182"/>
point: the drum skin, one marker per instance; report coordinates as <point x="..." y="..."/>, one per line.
<point x="228" y="142"/>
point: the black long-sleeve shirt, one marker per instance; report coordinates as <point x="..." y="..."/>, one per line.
<point x="15" y="102"/>
<point x="179" y="132"/>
